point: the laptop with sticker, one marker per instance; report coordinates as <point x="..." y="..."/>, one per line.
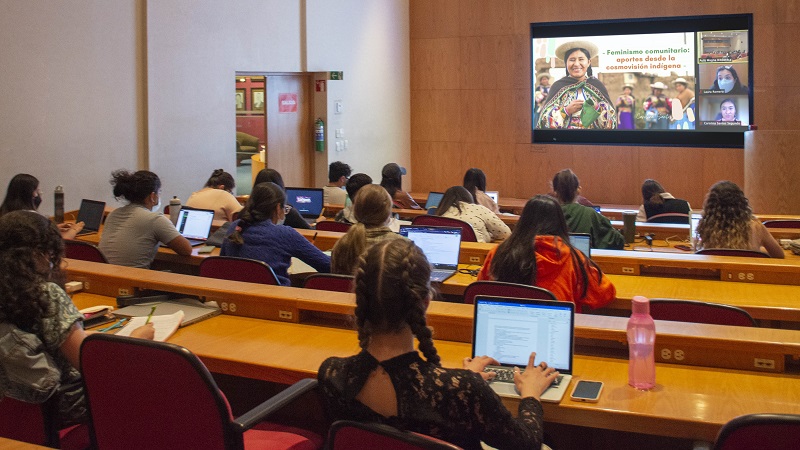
<point x="509" y="329"/>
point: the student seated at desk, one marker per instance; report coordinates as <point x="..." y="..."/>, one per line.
<point x="388" y="382"/>
<point x="260" y="234"/>
<point x="539" y="253"/>
<point x="23" y="193"/>
<point x="36" y="310"/>
<point x="475" y="183"/>
<point x="728" y="222"/>
<point x="354" y="183"/>
<point x="657" y="201"/>
<point x="338" y="173"/>
<point x="373" y="213"/>
<point x="392" y="181"/>
<point x="293" y="218"/>
<point x="131" y="234"/>
<point x="457" y="203"/>
<point x="583" y="219"/>
<point x="217" y="195"/>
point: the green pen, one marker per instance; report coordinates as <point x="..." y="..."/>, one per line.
<point x="149" y="316"/>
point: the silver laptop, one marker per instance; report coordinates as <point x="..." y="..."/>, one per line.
<point x="91" y="214"/>
<point x="195" y="224"/>
<point x="509" y="329"/>
<point x="441" y="246"/>
<point x="694" y="220"/>
<point x="583" y="242"/>
<point x="494" y="195"/>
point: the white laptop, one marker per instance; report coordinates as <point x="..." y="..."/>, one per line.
<point x="509" y="329"/>
<point x="494" y="195"/>
<point x="441" y="246"/>
<point x="195" y="224"/>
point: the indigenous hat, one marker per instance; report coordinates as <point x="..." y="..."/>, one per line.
<point x="628" y="85"/>
<point x="659" y="85"/>
<point x="563" y="48"/>
<point x="542" y="75"/>
<point x="681" y="80"/>
<point x="391" y="170"/>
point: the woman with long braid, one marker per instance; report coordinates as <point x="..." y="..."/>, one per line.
<point x="389" y="383"/>
<point x="260" y="234"/>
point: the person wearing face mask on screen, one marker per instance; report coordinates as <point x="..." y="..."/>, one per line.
<point x="728" y="81"/>
<point x="131" y="234"/>
<point x="260" y="234"/>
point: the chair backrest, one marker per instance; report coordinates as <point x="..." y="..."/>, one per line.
<point x="761" y="431"/>
<point x="329" y="282"/>
<point x="332" y="225"/>
<point x="153" y="395"/>
<point x="83" y="251"/>
<point x="26" y="422"/>
<point x="699" y="312"/>
<point x="502" y="289"/>
<point x="732" y="252"/>
<point x="782" y="223"/>
<point x="238" y="269"/>
<point x="351" y="435"/>
<point x="669" y="218"/>
<point x="467" y="232"/>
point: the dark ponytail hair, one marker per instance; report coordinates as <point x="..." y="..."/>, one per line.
<point x="454" y="196"/>
<point x="19" y="195"/>
<point x="259" y="207"/>
<point x="134" y="187"/>
<point x="650" y="192"/>
<point x="392" y="287"/>
<point x="474" y="180"/>
<point x="270" y="176"/>
<point x="515" y="259"/>
<point x="565" y="185"/>
<point x="221" y="178"/>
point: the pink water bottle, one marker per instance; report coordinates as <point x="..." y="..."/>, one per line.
<point x="641" y="345"/>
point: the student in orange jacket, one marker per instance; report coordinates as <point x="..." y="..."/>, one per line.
<point x="555" y="265"/>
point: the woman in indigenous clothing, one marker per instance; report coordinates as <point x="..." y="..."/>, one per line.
<point x="626" y="105"/>
<point x="578" y="100"/>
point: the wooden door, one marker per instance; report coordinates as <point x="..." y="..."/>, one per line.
<point x="290" y="148"/>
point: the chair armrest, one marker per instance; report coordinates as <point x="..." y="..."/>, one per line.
<point x="274" y="404"/>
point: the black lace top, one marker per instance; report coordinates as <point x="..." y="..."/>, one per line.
<point x="454" y="405"/>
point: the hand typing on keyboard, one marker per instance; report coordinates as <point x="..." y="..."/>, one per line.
<point x="535" y="379"/>
<point x="479" y="363"/>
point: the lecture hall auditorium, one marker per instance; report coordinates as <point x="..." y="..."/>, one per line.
<point x="437" y="86"/>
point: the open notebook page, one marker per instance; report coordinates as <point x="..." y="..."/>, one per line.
<point x="165" y="325"/>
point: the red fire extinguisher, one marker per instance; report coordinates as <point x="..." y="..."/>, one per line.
<point x="319" y="135"/>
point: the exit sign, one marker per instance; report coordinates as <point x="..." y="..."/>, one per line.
<point x="336" y="75"/>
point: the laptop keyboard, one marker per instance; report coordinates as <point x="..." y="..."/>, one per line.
<point x="507" y="375"/>
<point x="440" y="275"/>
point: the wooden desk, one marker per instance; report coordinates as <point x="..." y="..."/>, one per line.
<point x="707" y="345"/>
<point x="687" y="402"/>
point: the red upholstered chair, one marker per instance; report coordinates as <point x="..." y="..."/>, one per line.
<point x="34" y="423"/>
<point x="329" y="282"/>
<point x="669" y="218"/>
<point x="732" y="252"/>
<point x="238" y="269"/>
<point x="467" y="233"/>
<point x="761" y="431"/>
<point x="699" y="312"/>
<point x="350" y="435"/>
<point x="156" y="395"/>
<point x="501" y="289"/>
<point x="332" y="225"/>
<point x="783" y="223"/>
<point x="83" y="251"/>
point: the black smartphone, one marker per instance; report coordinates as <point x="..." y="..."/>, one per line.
<point x="587" y="391"/>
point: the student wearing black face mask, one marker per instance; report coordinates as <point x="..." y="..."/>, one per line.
<point x="23" y="194"/>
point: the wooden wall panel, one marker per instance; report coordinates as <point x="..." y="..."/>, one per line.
<point x="490" y="106"/>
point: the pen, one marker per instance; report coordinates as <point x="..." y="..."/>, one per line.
<point x="149" y="316"/>
<point x="314" y="238"/>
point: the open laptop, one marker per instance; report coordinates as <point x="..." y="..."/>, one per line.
<point x="583" y="242"/>
<point x="307" y="201"/>
<point x="91" y="214"/>
<point x="694" y="220"/>
<point x="441" y="246"/>
<point x="195" y="224"/>
<point x="509" y="329"/>
<point x="433" y="200"/>
<point x="494" y="195"/>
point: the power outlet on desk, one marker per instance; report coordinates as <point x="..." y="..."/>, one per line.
<point x="121" y="293"/>
<point x="628" y="270"/>
<point x="763" y="363"/>
<point x="475" y="259"/>
<point x="285" y="315"/>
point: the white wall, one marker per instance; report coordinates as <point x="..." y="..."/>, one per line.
<point x="79" y="97"/>
<point x="68" y="84"/>
<point x="369" y="41"/>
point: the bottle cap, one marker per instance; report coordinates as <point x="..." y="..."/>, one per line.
<point x="640" y="305"/>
